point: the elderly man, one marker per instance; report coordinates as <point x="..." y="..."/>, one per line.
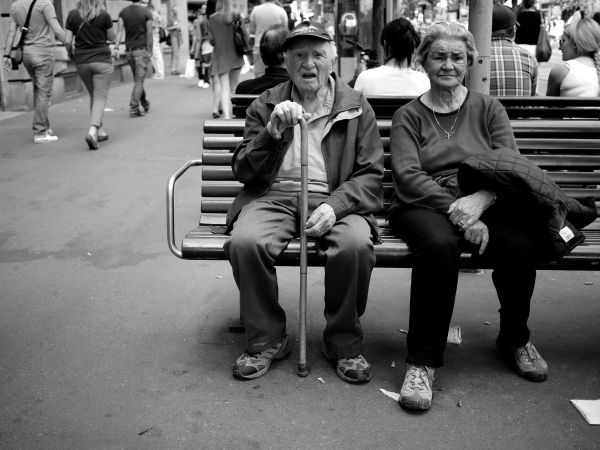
<point x="513" y="71"/>
<point x="345" y="175"/>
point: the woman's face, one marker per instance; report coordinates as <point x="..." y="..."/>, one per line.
<point x="446" y="64"/>
<point x="567" y="47"/>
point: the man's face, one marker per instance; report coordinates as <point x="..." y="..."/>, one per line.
<point x="309" y="62"/>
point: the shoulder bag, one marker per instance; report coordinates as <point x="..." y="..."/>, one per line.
<point x="16" y="53"/>
<point x="71" y="46"/>
<point x="241" y="39"/>
<point x="543" y="49"/>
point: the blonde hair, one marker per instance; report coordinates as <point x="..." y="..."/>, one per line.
<point x="445" y="30"/>
<point x="88" y="9"/>
<point x="224" y="7"/>
<point x="585" y="35"/>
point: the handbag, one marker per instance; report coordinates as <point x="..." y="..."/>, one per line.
<point x="162" y="35"/>
<point x="16" y="53"/>
<point x="543" y="49"/>
<point x="241" y="39"/>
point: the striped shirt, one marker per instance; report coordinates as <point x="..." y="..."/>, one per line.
<point x="513" y="72"/>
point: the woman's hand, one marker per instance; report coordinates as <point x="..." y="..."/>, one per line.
<point x="285" y="114"/>
<point x="467" y="210"/>
<point x="478" y="234"/>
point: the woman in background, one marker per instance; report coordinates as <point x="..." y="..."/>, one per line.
<point x="399" y="40"/>
<point x="88" y="29"/>
<point x="579" y="74"/>
<point x="530" y="21"/>
<point x="226" y="63"/>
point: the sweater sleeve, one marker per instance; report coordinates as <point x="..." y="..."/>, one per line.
<point x="498" y="124"/>
<point x="412" y="184"/>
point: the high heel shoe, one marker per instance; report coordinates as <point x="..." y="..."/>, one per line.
<point x="91" y="142"/>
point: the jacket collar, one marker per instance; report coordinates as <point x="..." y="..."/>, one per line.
<point x="345" y="98"/>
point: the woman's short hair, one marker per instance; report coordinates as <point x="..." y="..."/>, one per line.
<point x="399" y="40"/>
<point x="585" y="34"/>
<point x="445" y="30"/>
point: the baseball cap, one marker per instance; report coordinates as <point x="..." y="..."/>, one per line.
<point x="307" y="28"/>
<point x="503" y="17"/>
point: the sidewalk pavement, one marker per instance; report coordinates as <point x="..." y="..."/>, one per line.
<point x="107" y="341"/>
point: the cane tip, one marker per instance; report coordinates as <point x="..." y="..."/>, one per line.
<point x="302" y="370"/>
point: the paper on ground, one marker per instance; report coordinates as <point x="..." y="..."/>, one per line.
<point x="390" y="394"/>
<point x="454" y="336"/>
<point x="590" y="409"/>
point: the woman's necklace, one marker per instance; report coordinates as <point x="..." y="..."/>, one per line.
<point x="447" y="132"/>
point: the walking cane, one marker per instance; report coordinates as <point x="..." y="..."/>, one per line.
<point x="302" y="367"/>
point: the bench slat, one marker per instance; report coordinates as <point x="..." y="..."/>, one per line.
<point x="202" y="243"/>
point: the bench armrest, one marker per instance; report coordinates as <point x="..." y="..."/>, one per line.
<point x="171" y="205"/>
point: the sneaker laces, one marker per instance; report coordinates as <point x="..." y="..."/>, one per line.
<point x="527" y="353"/>
<point x="419" y="378"/>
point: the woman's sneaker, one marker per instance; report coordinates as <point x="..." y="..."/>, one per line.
<point x="416" y="391"/>
<point x="527" y="361"/>
<point x="254" y="365"/>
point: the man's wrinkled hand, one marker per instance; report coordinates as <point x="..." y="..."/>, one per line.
<point x="478" y="234"/>
<point x="285" y="115"/>
<point x="467" y="210"/>
<point x="320" y="221"/>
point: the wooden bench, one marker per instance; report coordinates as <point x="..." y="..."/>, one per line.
<point x="566" y="145"/>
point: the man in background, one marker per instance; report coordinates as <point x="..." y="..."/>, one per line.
<point x="38" y="57"/>
<point x="513" y="71"/>
<point x="271" y="52"/>
<point x="136" y="21"/>
<point x="263" y="17"/>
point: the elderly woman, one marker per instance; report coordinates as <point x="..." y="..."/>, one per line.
<point x="396" y="77"/>
<point x="430" y="137"/>
<point x="579" y="74"/>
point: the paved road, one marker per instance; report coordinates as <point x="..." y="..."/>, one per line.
<point x="107" y="341"/>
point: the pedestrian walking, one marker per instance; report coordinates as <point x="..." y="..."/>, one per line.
<point x="136" y="21"/>
<point x="200" y="36"/>
<point x="38" y="57"/>
<point x="226" y="63"/>
<point x="174" y="30"/>
<point x="88" y="29"/>
<point x="157" y="54"/>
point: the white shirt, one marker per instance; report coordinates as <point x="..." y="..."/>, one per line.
<point x="392" y="80"/>
<point x="581" y="80"/>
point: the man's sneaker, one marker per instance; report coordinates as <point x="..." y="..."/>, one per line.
<point x="351" y="370"/>
<point x="416" y="390"/>
<point x="146" y="106"/>
<point x="253" y="365"/>
<point x="136" y="113"/>
<point x="44" y="138"/>
<point x="527" y="361"/>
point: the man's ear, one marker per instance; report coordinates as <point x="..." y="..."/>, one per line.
<point x="333" y="63"/>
